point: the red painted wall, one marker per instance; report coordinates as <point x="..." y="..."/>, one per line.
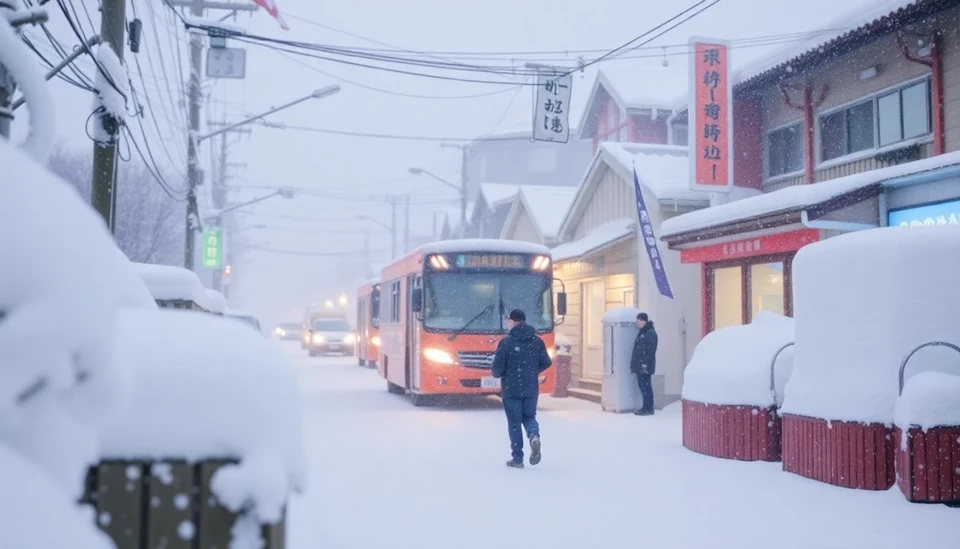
<point x="644" y="130"/>
<point x="747" y="143"/>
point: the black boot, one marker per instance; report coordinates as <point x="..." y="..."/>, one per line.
<point x="515" y="463"/>
<point x="535" y="455"/>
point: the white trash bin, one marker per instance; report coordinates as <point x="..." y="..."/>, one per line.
<point x="619" y="390"/>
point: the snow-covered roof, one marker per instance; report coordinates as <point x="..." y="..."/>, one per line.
<point x="483" y="245"/>
<point x="168" y="283"/>
<point x="849" y="350"/>
<point x="178" y="362"/>
<point x="546" y="206"/>
<point x="216" y="301"/>
<point x="633" y="88"/>
<point x="798" y="197"/>
<point x="495" y="194"/>
<point x="596" y="239"/>
<point x="662" y="170"/>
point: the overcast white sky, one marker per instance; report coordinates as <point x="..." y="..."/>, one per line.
<point x="276" y="285"/>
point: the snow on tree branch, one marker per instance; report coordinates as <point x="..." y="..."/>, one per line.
<point x="22" y="67"/>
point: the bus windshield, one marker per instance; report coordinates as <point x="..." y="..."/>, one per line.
<point x="451" y="299"/>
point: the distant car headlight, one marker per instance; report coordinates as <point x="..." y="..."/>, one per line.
<point x="438" y="356"/>
<point x="350" y="339"/>
<point x="375" y="340"/>
<point x="318" y="338"/>
<point x="281" y="332"/>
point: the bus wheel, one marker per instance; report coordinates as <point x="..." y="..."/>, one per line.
<point x="418" y="400"/>
<point x="394" y="389"/>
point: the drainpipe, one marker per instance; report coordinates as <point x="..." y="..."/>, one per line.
<point x="807" y="107"/>
<point x="936" y="84"/>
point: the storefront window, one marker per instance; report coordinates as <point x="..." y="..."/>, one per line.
<point x="766" y="288"/>
<point x="727" y="297"/>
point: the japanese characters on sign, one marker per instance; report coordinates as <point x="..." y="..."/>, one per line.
<point x="942" y="213"/>
<point x="711" y="116"/>
<point x="212" y="248"/>
<point x="650" y="242"/>
<point x="551" y="114"/>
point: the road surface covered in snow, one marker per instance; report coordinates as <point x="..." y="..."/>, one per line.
<point x="386" y="475"/>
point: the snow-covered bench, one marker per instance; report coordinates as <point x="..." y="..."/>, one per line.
<point x="864" y="300"/>
<point x="209" y="448"/>
<point x="732" y="387"/>
<point x="927" y="436"/>
<point x="174" y="287"/>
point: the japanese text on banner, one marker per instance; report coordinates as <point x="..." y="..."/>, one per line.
<point x="551" y="114"/>
<point x="212" y="248"/>
<point x="712" y="128"/>
<point x="650" y="242"/>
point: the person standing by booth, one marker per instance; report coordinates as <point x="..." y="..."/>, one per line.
<point x="643" y="362"/>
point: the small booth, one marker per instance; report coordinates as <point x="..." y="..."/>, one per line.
<point x="733" y="387"/>
<point x="865" y="302"/>
<point x="174" y="287"/>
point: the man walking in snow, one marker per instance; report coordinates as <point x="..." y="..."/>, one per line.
<point x="521" y="358"/>
<point x="643" y="362"/>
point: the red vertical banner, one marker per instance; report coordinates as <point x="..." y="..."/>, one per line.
<point x="711" y="116"/>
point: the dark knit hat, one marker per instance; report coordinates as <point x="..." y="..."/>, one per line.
<point x="517" y="315"/>
<point x="643" y="317"/>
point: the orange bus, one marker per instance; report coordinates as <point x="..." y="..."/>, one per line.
<point x="368" y="323"/>
<point x="443" y="310"/>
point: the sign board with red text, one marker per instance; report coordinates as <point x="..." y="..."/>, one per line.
<point x="711" y="116"/>
<point x="751" y="247"/>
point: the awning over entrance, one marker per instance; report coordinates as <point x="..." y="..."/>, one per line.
<point x="828" y="205"/>
<point x="595" y="240"/>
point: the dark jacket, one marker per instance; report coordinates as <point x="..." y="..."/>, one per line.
<point x="645" y="350"/>
<point x="521" y="358"/>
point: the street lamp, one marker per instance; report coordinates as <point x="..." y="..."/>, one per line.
<point x="316" y="94"/>
<point x="461" y="188"/>
<point x="329" y="304"/>
<point x="343" y="300"/>
<point x="286" y="193"/>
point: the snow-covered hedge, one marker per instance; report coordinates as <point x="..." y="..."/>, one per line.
<point x="60" y="289"/>
<point x="732" y="365"/>
<point x="204" y="388"/>
<point x="216" y="302"/>
<point x="930" y="399"/>
<point x="168" y="283"/>
<point x="863" y="301"/>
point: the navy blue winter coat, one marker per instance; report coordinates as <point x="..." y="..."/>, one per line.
<point x="521" y="358"/>
<point x="645" y="351"/>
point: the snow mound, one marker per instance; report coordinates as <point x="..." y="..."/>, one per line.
<point x="206" y="387"/>
<point x="216" y="301"/>
<point x="863" y="301"/>
<point x="60" y="292"/>
<point x="930" y="399"/>
<point x="32" y="502"/>
<point x="732" y="365"/>
<point x="22" y="68"/>
<point x="134" y="291"/>
<point x="168" y="283"/>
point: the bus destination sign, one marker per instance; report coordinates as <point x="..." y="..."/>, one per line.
<point x="492" y="261"/>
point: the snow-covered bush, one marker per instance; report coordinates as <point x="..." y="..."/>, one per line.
<point x="167" y="283"/>
<point x="60" y="289"/>
<point x="732" y="365"/>
<point x="930" y="399"/>
<point x="205" y="388"/>
<point x="863" y="301"/>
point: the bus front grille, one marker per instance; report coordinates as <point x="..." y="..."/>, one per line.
<point x="472" y="359"/>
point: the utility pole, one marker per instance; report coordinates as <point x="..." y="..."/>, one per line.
<point x="393" y="226"/>
<point x="366" y="254"/>
<point x="194" y="97"/>
<point x="464" y="193"/>
<point x="406" y="224"/>
<point x="219" y="190"/>
<point x="103" y="194"/>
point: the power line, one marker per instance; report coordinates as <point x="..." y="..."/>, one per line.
<point x="398" y="137"/>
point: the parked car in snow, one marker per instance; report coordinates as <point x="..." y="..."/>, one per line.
<point x="290" y="331"/>
<point x="331" y="335"/>
<point x="246" y="318"/>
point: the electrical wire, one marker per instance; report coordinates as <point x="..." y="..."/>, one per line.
<point x="394" y="136"/>
<point x="78" y="31"/>
<point x="156" y="175"/>
<point x="313" y="254"/>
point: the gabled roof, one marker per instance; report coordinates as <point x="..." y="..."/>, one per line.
<point x="546" y="206"/>
<point x="634" y="89"/>
<point x="495" y="194"/>
<point x="662" y="169"/>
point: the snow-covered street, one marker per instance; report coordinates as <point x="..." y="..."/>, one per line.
<point x="384" y="474"/>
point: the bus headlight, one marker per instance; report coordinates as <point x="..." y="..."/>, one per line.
<point x="350" y="339"/>
<point x="375" y="340"/>
<point x="318" y="339"/>
<point x="541" y="262"/>
<point x="438" y="356"/>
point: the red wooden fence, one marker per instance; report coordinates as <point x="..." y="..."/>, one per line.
<point x="851" y="455"/>
<point x="928" y="464"/>
<point x="746" y="433"/>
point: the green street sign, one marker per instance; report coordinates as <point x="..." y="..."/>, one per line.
<point x="212" y="248"/>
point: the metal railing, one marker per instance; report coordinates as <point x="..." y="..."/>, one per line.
<point x="773" y="373"/>
<point x="903" y="365"/>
